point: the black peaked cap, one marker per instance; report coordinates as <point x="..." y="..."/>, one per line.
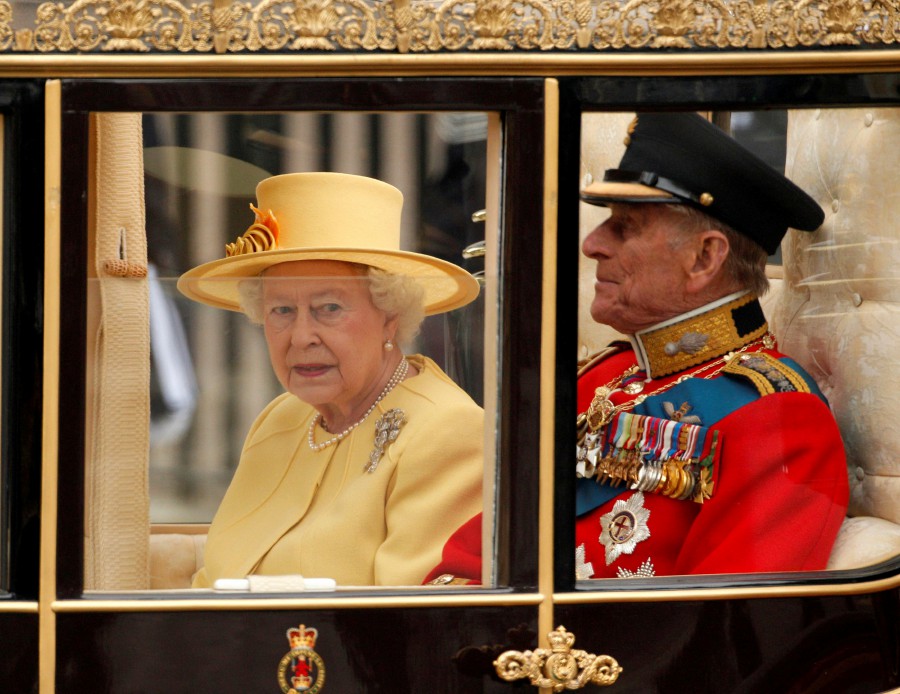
<point x="683" y="158"/>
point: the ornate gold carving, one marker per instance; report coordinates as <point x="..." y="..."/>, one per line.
<point x="759" y="16"/>
<point x="24" y="40"/>
<point x="311" y="25"/>
<point x="447" y="25"/>
<point x="224" y="16"/>
<point x="674" y="21"/>
<point x="491" y="22"/>
<point x="559" y="668"/>
<point x="7" y="34"/>
<point x="583" y="13"/>
<point x="120" y="25"/>
<point x="404" y="19"/>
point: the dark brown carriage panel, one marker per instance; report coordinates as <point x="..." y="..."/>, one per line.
<point x="841" y="644"/>
<point x="396" y="650"/>
<point x="19" y="656"/>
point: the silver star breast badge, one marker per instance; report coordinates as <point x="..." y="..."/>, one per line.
<point x="624" y="526"/>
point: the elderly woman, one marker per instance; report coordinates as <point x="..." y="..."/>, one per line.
<point x="363" y="468"/>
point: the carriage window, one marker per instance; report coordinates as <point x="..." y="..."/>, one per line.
<point x="182" y="389"/>
<point x="693" y="448"/>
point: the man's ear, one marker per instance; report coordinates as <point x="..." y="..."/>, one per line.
<point x="710" y="249"/>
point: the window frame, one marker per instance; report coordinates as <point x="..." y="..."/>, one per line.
<point x="520" y="101"/>
<point x="716" y="93"/>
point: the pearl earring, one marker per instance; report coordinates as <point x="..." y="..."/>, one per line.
<point x="388" y="345"/>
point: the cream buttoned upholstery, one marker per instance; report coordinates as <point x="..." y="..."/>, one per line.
<point x="839" y="311"/>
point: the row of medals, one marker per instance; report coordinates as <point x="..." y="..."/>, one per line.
<point x="670" y="478"/>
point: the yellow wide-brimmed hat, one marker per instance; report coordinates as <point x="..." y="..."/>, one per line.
<point x="326" y="216"/>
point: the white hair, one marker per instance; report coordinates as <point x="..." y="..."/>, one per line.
<point x="746" y="260"/>
<point x="399" y="296"/>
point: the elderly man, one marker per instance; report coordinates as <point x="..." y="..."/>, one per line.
<point x="701" y="448"/>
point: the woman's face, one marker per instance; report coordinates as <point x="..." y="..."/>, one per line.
<point x="326" y="337"/>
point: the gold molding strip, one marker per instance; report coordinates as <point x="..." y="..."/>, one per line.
<point x="317" y="603"/>
<point x="548" y="353"/>
<point x="50" y="415"/>
<point x="493" y="196"/>
<point x="581" y="597"/>
<point x="18" y="607"/>
<point x="429" y="26"/>
<point x="450" y="64"/>
<point x="649" y="594"/>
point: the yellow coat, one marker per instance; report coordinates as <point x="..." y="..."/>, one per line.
<point x="290" y="510"/>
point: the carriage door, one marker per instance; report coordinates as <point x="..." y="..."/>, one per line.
<point x="152" y="395"/>
<point x="830" y="298"/>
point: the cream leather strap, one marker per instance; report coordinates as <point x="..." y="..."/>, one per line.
<point x="117" y="436"/>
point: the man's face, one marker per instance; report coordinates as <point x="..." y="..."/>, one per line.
<point x="640" y="276"/>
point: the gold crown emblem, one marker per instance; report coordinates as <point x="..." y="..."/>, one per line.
<point x="302" y="637"/>
<point x="561" y="640"/>
<point x="262" y="235"/>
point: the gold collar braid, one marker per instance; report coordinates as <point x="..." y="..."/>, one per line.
<point x="681" y="344"/>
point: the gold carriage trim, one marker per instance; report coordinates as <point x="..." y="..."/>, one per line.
<point x="435" y="26"/>
<point x="558" y="667"/>
<point x="262" y="235"/>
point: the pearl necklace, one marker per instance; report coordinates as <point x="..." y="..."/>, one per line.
<point x="399" y="374"/>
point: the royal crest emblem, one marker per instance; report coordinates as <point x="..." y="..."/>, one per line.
<point x="301" y="670"/>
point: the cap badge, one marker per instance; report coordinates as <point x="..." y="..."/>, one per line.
<point x="262" y="235"/>
<point x="624" y="526"/>
<point x="706" y="199"/>
<point x="301" y="670"/>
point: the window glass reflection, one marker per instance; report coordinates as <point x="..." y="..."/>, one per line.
<point x="675" y="479"/>
<point x="211" y="370"/>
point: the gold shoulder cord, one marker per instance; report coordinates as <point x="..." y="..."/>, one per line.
<point x="590" y="362"/>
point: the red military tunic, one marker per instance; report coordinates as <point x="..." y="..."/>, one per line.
<point x="779" y="498"/>
<point x="780" y="490"/>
